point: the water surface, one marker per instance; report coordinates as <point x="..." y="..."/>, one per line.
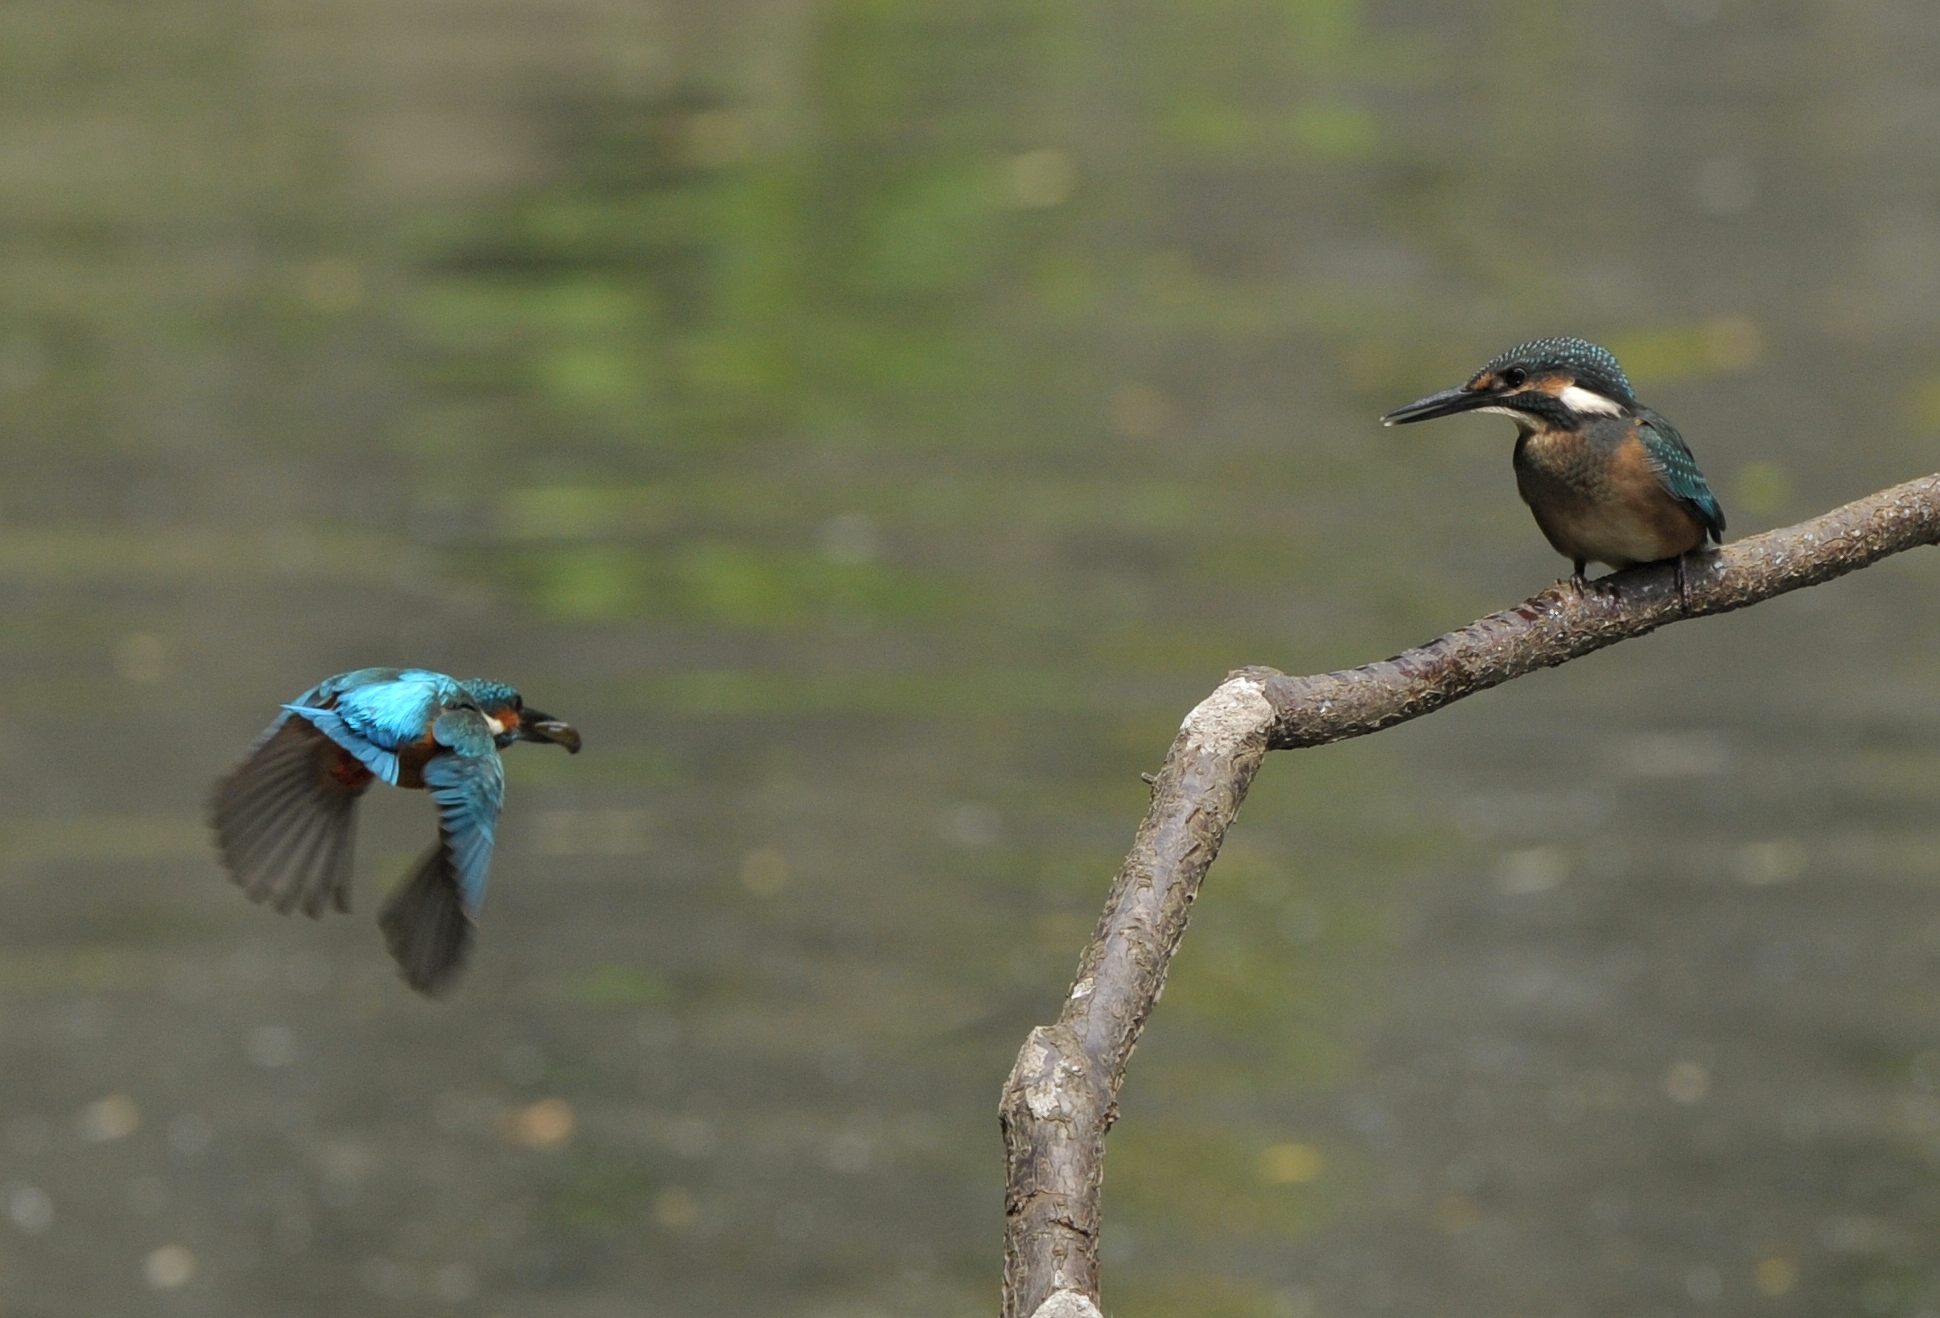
<point x="875" y="425"/>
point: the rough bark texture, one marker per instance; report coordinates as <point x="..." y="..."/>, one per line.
<point x="1061" y="1097"/>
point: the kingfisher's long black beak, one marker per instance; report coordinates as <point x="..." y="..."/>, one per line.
<point x="534" y="726"/>
<point x="1446" y="403"/>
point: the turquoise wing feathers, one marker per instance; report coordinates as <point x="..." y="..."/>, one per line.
<point x="375" y="712"/>
<point x="324" y="692"/>
<point x="394" y="713"/>
<point x="1678" y="470"/>
<point x="429" y="921"/>
<point x="469" y="787"/>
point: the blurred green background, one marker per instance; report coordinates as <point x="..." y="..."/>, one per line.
<point x="875" y="423"/>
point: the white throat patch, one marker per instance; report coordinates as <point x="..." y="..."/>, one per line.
<point x="1578" y="399"/>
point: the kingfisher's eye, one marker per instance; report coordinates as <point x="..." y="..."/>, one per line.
<point x="1514" y="378"/>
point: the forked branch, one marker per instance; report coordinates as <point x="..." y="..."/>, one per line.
<point x="1061" y="1097"/>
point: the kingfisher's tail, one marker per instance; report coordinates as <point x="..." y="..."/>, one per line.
<point x="425" y="924"/>
<point x="286" y="818"/>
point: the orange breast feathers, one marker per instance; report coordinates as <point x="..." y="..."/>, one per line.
<point x="1633" y="476"/>
<point x="347" y="771"/>
<point x="411" y="758"/>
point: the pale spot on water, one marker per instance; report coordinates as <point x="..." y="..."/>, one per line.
<point x="1042" y="178"/>
<point x="142" y="658"/>
<point x="1676" y="755"/>
<point x="1290" y="1164"/>
<point x="1778" y="860"/>
<point x="29" y="1208"/>
<point x="169" y="1267"/>
<point x="765" y="871"/>
<point x="546" y="1124"/>
<point x="1531" y="870"/>
<point x="108" y="1119"/>
<point x="1703" y="1283"/>
<point x="271" y="1046"/>
<point x="1776" y="1276"/>
<point x="1687" y="1082"/>
<point x="675" y="1209"/>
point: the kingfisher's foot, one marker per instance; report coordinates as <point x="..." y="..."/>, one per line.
<point x="1605" y="585"/>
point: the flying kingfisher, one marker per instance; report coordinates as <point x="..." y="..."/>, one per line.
<point x="284" y="818"/>
<point x="1608" y="479"/>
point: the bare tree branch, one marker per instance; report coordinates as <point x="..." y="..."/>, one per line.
<point x="1061" y="1097"/>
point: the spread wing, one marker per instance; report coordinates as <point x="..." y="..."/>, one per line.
<point x="285" y="820"/>
<point x="1678" y="471"/>
<point x="285" y="817"/>
<point x="428" y="922"/>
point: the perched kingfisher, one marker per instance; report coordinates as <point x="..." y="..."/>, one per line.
<point x="1608" y="479"/>
<point x="284" y="819"/>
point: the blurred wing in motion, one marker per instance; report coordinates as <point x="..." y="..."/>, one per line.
<point x="428" y="922"/>
<point x="285" y="819"/>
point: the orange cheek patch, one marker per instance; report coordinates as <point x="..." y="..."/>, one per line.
<point x="1480" y="383"/>
<point x="509" y="717"/>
